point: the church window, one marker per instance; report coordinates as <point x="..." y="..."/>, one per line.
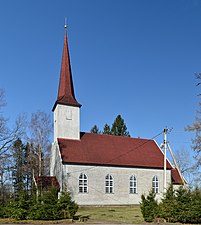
<point x="109" y="184"/>
<point x="155" y="184"/>
<point x="83" y="183"/>
<point x="133" y="185"/>
<point x="69" y="114"/>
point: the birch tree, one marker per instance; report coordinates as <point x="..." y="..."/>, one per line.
<point x="41" y="128"/>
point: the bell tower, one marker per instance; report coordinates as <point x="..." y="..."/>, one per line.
<point x="66" y="108"/>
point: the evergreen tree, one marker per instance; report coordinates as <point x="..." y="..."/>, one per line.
<point x="106" y="129"/>
<point x="195" y="212"/>
<point x="67" y="206"/>
<point x="168" y="205"/>
<point x="119" y="127"/>
<point x="149" y="207"/>
<point x="95" y="130"/>
<point x="18" y="208"/>
<point x="46" y="208"/>
<point x="18" y="174"/>
<point x="183" y="207"/>
<point x="49" y="206"/>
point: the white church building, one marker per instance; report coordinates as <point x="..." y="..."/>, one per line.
<point x="101" y="169"/>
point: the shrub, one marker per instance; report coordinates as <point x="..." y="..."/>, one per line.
<point x="2" y="211"/>
<point x="195" y="215"/>
<point x="67" y="206"/>
<point x="41" y="211"/>
<point x="17" y="208"/>
<point x="46" y="208"/>
<point x="149" y="207"/>
<point x="183" y="205"/>
<point x="49" y="207"/>
<point x="167" y="207"/>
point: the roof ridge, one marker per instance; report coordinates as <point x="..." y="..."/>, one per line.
<point x="111" y="135"/>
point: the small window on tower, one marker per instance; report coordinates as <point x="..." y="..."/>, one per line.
<point x="69" y="114"/>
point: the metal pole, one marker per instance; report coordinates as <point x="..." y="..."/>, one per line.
<point x="165" y="161"/>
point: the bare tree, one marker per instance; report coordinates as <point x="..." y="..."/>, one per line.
<point x="187" y="165"/>
<point x="41" y="128"/>
<point x="196" y="128"/>
<point x="7" y="137"/>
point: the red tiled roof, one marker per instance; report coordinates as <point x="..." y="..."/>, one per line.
<point x="99" y="149"/>
<point x="66" y="94"/>
<point x="176" y="178"/>
<point x="46" y="182"/>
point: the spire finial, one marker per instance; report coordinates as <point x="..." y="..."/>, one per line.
<point x="65" y="25"/>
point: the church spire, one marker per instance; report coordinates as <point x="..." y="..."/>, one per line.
<point x="66" y="95"/>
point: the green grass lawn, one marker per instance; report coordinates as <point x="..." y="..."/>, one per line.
<point x="123" y="214"/>
<point x="42" y="222"/>
<point x="129" y="214"/>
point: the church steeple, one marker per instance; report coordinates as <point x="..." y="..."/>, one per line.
<point x="66" y="95"/>
<point x="66" y="108"/>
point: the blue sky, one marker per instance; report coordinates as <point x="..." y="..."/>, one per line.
<point x="136" y="58"/>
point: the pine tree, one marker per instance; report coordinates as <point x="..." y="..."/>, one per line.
<point x="95" y="130"/>
<point x="46" y="208"/>
<point x="18" y="174"/>
<point x="119" y="127"/>
<point x="106" y="129"/>
<point x="195" y="213"/>
<point x="149" y="207"/>
<point x="18" y="208"/>
<point x="168" y="205"/>
<point x="67" y="206"/>
<point x="183" y="207"/>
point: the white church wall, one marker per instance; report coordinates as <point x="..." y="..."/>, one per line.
<point x="66" y="122"/>
<point x="96" y="184"/>
<point x="56" y="163"/>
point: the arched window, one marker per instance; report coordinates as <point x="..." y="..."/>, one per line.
<point x="155" y="184"/>
<point x="83" y="183"/>
<point x="133" y="185"/>
<point x="109" y="184"/>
